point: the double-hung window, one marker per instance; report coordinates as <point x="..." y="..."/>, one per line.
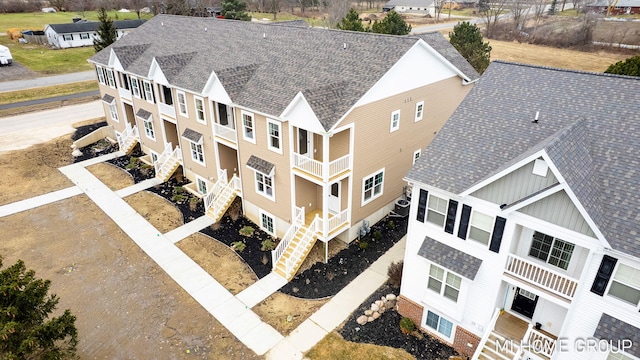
<point x="416" y="156"/>
<point x="247" y="127"/>
<point x="202" y="185"/>
<point x="148" y="128"/>
<point x="84" y="36"/>
<point x="113" y="111"/>
<point x="148" y="91"/>
<point x="267" y="223"/>
<point x="182" y="103"/>
<point x="480" y="227"/>
<point x="626" y="284"/>
<point x="436" y="210"/>
<point x="395" y="121"/>
<point x="444" y="282"/>
<point x="439" y="324"/>
<point x="67" y="37"/>
<point x="419" y="110"/>
<point x="372" y="186"/>
<point x="274" y="136"/>
<point x="199" y="110"/>
<point x="135" y="86"/>
<point x="197" y="154"/>
<point x="264" y="185"/>
<point x="100" y="74"/>
<point x="551" y="250"/>
<point x="110" y="78"/>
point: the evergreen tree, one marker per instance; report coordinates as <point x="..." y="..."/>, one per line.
<point x="630" y="67"/>
<point x="351" y="22"/>
<point x="553" y="8"/>
<point x="26" y="331"/>
<point x="235" y="9"/>
<point x="392" y="25"/>
<point x="467" y="39"/>
<point x="106" y="31"/>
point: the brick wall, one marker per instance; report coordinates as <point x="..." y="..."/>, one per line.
<point x="410" y="309"/>
<point x="462" y="338"/>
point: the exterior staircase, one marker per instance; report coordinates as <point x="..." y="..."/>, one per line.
<point x="294" y="246"/>
<point x="168" y="162"/>
<point x="128" y="139"/>
<point x="218" y="200"/>
<point x="498" y="348"/>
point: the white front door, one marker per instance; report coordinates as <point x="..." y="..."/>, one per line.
<point x="334" y="198"/>
<point x="305" y="143"/>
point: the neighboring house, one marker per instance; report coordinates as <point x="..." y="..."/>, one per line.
<point x="312" y="128"/>
<point x="528" y="201"/>
<point x="411" y="6"/>
<point x="618" y="7"/>
<point x="82" y="33"/>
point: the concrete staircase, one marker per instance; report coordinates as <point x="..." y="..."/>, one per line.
<point x="221" y="196"/>
<point x="168" y="162"/>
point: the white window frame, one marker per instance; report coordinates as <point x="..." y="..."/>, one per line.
<point x="271" y="137"/>
<point x="416" y="156"/>
<point x="135" y="86"/>
<point x="82" y="36"/>
<point x="625" y="282"/>
<point x="199" y="112"/>
<point x="476" y="222"/>
<point x="111" y="79"/>
<point x="181" y="100"/>
<point x="149" y="129"/>
<point x="269" y="217"/>
<point x="261" y="179"/>
<point x="197" y="150"/>
<point x="154" y="156"/>
<point x="447" y="282"/>
<point x="433" y="210"/>
<point x="395" y="121"/>
<point x="148" y="91"/>
<point x="100" y="73"/>
<point x="245" y="128"/>
<point x="374" y="194"/>
<point x="618" y="354"/>
<point x="113" y="111"/>
<point x="551" y="249"/>
<point x="67" y="37"/>
<point x="440" y="325"/>
<point x="419" y="111"/>
<point x="201" y="184"/>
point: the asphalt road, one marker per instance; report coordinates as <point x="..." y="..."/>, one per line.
<point x="6" y="86"/>
<point x="48" y="100"/>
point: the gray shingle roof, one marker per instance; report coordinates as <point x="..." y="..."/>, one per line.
<point x="108" y="98"/>
<point x="192" y="135"/>
<point x="450" y="258"/>
<point x="90" y="26"/>
<point x="263" y="67"/>
<point x="614" y="330"/>
<point x="589" y="124"/>
<point x="143" y="114"/>
<point x="129" y="54"/>
<point x="260" y="165"/>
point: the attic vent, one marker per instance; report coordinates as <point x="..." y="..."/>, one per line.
<point x="535" y="119"/>
<point x="540" y="168"/>
<point x="344" y="46"/>
<point x="264" y="35"/>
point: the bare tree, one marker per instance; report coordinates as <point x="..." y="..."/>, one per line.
<point x="519" y="12"/>
<point x="490" y="12"/>
<point x="437" y="8"/>
<point x="537" y="7"/>
<point x="137" y="5"/>
<point x="577" y="4"/>
<point x="336" y="10"/>
<point x="274" y="7"/>
<point x="60" y="5"/>
<point x="611" y="4"/>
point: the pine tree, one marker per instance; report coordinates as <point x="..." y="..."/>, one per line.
<point x="351" y="22"/>
<point x="235" y="10"/>
<point x="393" y="24"/>
<point x="106" y="33"/>
<point x="630" y="67"/>
<point x="467" y="39"/>
<point x="26" y="331"/>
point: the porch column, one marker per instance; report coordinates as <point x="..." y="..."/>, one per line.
<point x="325" y="185"/>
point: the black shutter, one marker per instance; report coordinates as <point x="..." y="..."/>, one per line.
<point x="451" y="216"/>
<point x="604" y="274"/>
<point x="464" y="222"/>
<point x="422" y="205"/>
<point x="496" y="238"/>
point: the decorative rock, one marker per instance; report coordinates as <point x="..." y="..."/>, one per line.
<point x="379" y="303"/>
<point x="368" y="312"/>
<point x="382" y="309"/>
<point x="76" y="153"/>
<point x="390" y="304"/>
<point x="376" y="315"/>
<point x="370" y="319"/>
<point x="384" y="299"/>
<point x="391" y="297"/>
<point x="375" y="307"/>
<point x="362" y="320"/>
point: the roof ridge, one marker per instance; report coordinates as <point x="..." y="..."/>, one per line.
<point x="566" y="70"/>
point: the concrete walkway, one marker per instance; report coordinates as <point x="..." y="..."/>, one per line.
<point x="233" y="312"/>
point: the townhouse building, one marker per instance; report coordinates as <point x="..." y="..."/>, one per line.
<point x="314" y="129"/>
<point x="524" y="233"/>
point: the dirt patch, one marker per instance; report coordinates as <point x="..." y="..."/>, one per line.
<point x="285" y="313"/>
<point x="333" y="346"/>
<point x="34" y="171"/>
<point x="156" y="210"/>
<point x="126" y="306"/>
<point x="317" y="253"/>
<point x="110" y="175"/>
<point x="222" y="263"/>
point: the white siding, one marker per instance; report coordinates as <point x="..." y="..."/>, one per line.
<point x="559" y="209"/>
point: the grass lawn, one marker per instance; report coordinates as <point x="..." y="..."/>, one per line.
<point x="47" y="92"/>
<point x="46" y="61"/>
<point x="37" y="20"/>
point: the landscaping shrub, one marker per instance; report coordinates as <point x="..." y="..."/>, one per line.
<point x="406" y="325"/>
<point x="238" y="246"/>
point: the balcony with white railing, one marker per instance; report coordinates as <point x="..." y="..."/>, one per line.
<point x="124" y="93"/>
<point x="541" y="276"/>
<point x="328" y="229"/>
<point x="225" y="132"/>
<point x="166" y="109"/>
<point x="324" y="171"/>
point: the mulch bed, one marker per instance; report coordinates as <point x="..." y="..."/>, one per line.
<point x="323" y="280"/>
<point x="385" y="331"/>
<point x="100" y="148"/>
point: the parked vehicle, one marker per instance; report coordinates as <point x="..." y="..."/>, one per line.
<point x="5" y="56"/>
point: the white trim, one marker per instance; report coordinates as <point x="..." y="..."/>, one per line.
<point x="204" y="111"/>
<point x="111" y="78"/>
<point x="100" y="74"/>
<point x="273" y="222"/>
<point x="627" y="284"/>
<point x="435" y="331"/>
<point x="419" y="114"/>
<point x="113" y="111"/>
<point x="373" y="194"/>
<point x="206" y="184"/>
<point x="264" y="193"/>
<point x="251" y="139"/>
<point x="416" y="156"/>
<point x="191" y="151"/>
<point x="184" y="96"/>
<point x="152" y="126"/>
<point x="269" y="138"/>
<point x="153" y="156"/>
<point x="146" y="83"/>
<point x="135" y="89"/>
<point x="394" y="122"/>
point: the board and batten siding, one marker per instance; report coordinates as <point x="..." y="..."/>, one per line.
<point x="559" y="209"/>
<point x="376" y="147"/>
<point x="515" y="186"/>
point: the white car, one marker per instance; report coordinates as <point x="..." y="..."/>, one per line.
<point x="5" y="56"/>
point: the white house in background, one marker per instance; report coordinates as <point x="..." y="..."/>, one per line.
<point x="82" y="33"/>
<point x="411" y="6"/>
<point x="524" y="233"/>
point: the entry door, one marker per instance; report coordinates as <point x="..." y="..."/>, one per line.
<point x="305" y="143"/>
<point x="334" y="198"/>
<point x="524" y="302"/>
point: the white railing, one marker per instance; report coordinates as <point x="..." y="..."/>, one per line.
<point x="298" y="221"/>
<point x="166" y="160"/>
<point x="298" y="252"/>
<point x="316" y="167"/>
<point x="167" y="109"/>
<point x="225" y="132"/>
<point x="124" y="93"/>
<point x="216" y="189"/>
<point x="335" y="221"/>
<point x="548" y="279"/>
<point x="487" y="332"/>
<point x="127" y="137"/>
<point x="226" y="193"/>
<point x="339" y="165"/>
<point x="539" y="343"/>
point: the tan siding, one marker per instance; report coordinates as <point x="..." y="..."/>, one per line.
<point x="308" y="194"/>
<point x="208" y="170"/>
<point x="559" y="209"/>
<point x="282" y="182"/>
<point x="104" y="89"/>
<point x="515" y="186"/>
<point x="377" y="148"/>
<point x="339" y="145"/>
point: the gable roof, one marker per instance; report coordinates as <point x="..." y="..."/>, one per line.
<point x="589" y="126"/>
<point x="89" y="26"/>
<point x="263" y="67"/>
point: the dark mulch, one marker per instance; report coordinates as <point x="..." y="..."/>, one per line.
<point x="189" y="205"/>
<point x="100" y="148"/>
<point x="385" y="331"/>
<point x="323" y="280"/>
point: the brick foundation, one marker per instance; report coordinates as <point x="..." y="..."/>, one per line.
<point x="462" y="338"/>
<point x="410" y="309"/>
